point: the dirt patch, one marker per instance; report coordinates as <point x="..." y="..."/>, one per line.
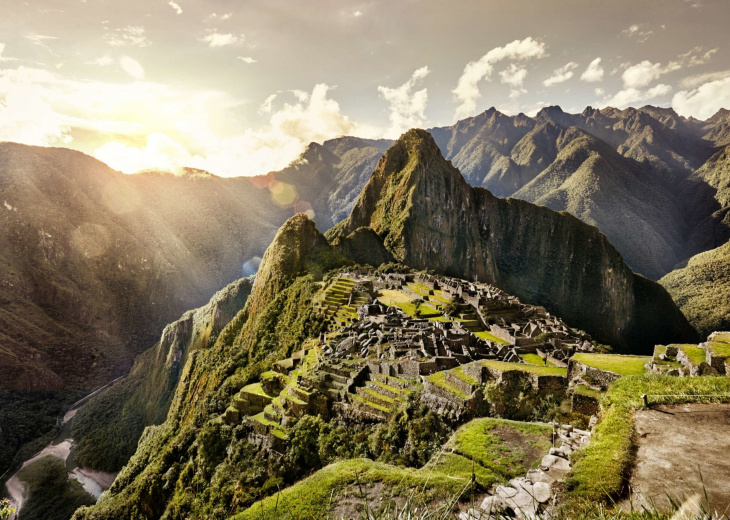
<point x="681" y="449"/>
<point x="524" y="448"/>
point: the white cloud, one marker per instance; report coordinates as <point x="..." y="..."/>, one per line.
<point x="267" y="105"/>
<point x="638" y="32"/>
<point x="222" y="17"/>
<point x="645" y="73"/>
<point x="132" y="67"/>
<point x="467" y="90"/>
<point x="702" y="102"/>
<point x="631" y="95"/>
<point x="130" y="35"/>
<point x="594" y="72"/>
<point x="406" y="106"/>
<point x="175" y="6"/>
<point x="2" y="51"/>
<point x="291" y="128"/>
<point x="599" y="92"/>
<point x="357" y="13"/>
<point x="221" y="40"/>
<point x="160" y="152"/>
<point x="102" y="61"/>
<point x="39" y="39"/>
<point x="561" y="75"/>
<point x="247" y="59"/>
<point x="697" y="80"/>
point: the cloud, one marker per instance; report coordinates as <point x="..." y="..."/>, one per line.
<point x="406" y="106"/>
<point x="702" y="102"/>
<point x="132" y="67"/>
<point x="2" y="51"/>
<point x="221" y="17"/>
<point x="645" y="73"/>
<point x="130" y="35"/>
<point x="631" y="95"/>
<point x="175" y="6"/>
<point x="291" y="128"/>
<point x="467" y="90"/>
<point x="594" y="72"/>
<point x="561" y="75"/>
<point x="221" y="40"/>
<point x="247" y="59"/>
<point x="160" y="152"/>
<point x="357" y="14"/>
<point x="638" y="32"/>
<point x="697" y="80"/>
<point x="102" y="61"/>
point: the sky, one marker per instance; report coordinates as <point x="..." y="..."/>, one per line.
<point x="240" y="87"/>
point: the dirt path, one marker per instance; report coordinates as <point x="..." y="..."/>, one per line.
<point x="679" y="448"/>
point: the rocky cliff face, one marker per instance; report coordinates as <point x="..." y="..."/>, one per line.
<point x="106" y="429"/>
<point x="427" y="216"/>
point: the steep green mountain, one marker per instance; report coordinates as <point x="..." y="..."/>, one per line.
<point x="94" y="263"/>
<point x="416" y="209"/>
<point x="701" y="289"/>
<point x="107" y="428"/>
<point x="427" y="216"/>
<point x="625" y="201"/>
<point x="706" y="195"/>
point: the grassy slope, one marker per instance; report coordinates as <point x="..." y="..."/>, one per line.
<point x="600" y="470"/>
<point x="445" y="476"/>
<point x="702" y="290"/>
<point x="623" y="365"/>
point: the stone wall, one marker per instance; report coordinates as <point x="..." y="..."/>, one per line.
<point x="584" y="404"/>
<point x="594" y="376"/>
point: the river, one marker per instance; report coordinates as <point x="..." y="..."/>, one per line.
<point x="62" y="447"/>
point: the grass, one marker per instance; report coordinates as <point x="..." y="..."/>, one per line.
<point x="479" y="440"/>
<point x="434" y="488"/>
<point x="535" y="359"/>
<point x="695" y="354"/>
<point x="720" y="348"/>
<point x="601" y="468"/>
<point x="618" y="364"/>
<point x="459" y="372"/>
<point x="439" y="379"/>
<point x="256" y="389"/>
<point x="522" y="367"/>
<point x="587" y="391"/>
<point x="491" y="337"/>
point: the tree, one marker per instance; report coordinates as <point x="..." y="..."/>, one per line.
<point x="6" y="509"/>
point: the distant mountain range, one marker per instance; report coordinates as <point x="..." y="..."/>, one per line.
<point x="94" y="263"/>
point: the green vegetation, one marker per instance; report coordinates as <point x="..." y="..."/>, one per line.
<point x="439" y="379"/>
<point x="491" y="337"/>
<point x="496" y="450"/>
<point x="587" y="391"/>
<point x="29" y="422"/>
<point x="52" y="495"/>
<point x="522" y="367"/>
<point x="482" y="440"/>
<point x="535" y="359"/>
<point x="720" y="348"/>
<point x="600" y="469"/>
<point x="695" y="354"/>
<point x="618" y="364"/>
<point x="702" y="290"/>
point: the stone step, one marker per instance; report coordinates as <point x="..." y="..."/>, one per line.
<point x="384" y="389"/>
<point x="374" y="396"/>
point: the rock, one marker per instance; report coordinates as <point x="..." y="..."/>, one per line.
<point x="567" y="428"/>
<point x="536" y="475"/>
<point x="493" y="504"/>
<point x="505" y="492"/>
<point x="583" y="433"/>
<point x="594" y="421"/>
<point x="541" y="492"/>
<point x="523" y="504"/>
<point x="473" y="514"/>
<point x="551" y="461"/>
<point x="558" y="452"/>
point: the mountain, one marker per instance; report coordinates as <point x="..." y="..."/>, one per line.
<point x="428" y="217"/>
<point x="624" y="171"/>
<point x="702" y="289"/>
<point x="95" y="263"/>
<point x="107" y="428"/>
<point x="416" y="209"/>
<point x="707" y="201"/>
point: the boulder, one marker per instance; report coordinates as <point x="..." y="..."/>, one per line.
<point x="541" y="492"/>
<point x="537" y="475"/>
<point x="493" y="504"/>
